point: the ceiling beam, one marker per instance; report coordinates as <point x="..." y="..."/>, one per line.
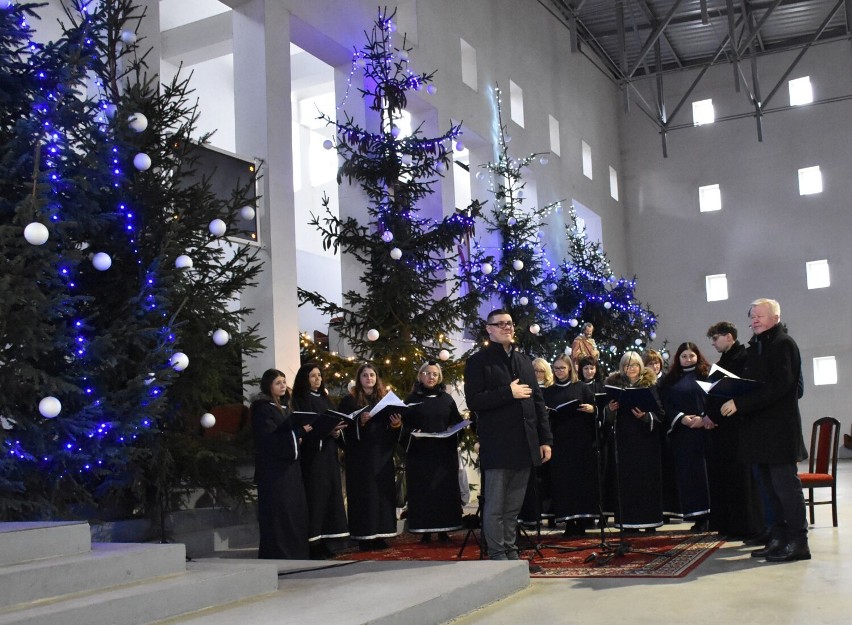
<point x="652" y="38"/>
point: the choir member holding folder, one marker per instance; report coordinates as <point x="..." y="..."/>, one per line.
<point x="370" y="445"/>
<point x="432" y="463"/>
<point x="636" y="471"/>
<point x="320" y="468"/>
<point x="282" y="509"/>
<point x="571" y="406"/>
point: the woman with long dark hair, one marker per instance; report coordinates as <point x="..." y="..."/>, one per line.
<point x="320" y="468"/>
<point x="687" y="437"/>
<point x="370" y="490"/>
<point x="432" y="464"/>
<point x="281" y="504"/>
<point x="573" y="464"/>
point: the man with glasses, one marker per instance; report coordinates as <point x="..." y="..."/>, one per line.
<point x="513" y="429"/>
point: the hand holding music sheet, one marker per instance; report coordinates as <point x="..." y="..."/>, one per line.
<point x="641" y="397"/>
<point x="323" y="423"/>
<point x="389" y="405"/>
<point x="458" y="427"/>
<point x="565" y="409"/>
<point x="726" y="384"/>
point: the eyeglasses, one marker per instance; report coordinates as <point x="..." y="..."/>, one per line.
<point x="502" y="324"/>
<point x="559" y="368"/>
<point x="633" y="364"/>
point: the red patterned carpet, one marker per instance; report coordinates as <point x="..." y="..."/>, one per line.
<point x="661" y="554"/>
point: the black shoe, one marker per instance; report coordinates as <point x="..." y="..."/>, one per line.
<point x="365" y="545"/>
<point x="701" y="526"/>
<point x="792" y="551"/>
<point x="776" y="545"/>
<point x="426" y="538"/>
<point x="650" y="530"/>
<point x="380" y="543"/>
<point x="761" y="538"/>
<point x="443" y="537"/>
<point x="535" y="568"/>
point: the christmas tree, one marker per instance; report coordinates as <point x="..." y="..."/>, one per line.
<point x="410" y="304"/>
<point x="135" y="254"/>
<point x="519" y="279"/>
<point x="588" y="291"/>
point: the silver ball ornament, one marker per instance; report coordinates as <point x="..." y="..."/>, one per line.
<point x="486" y="268"/>
<point x="221" y="337"/>
<point x="517" y="265"/>
<point x="101" y="261"/>
<point x="183" y="262"/>
<point x="142" y="162"/>
<point x="372" y="334"/>
<point x="138" y="122"/>
<point x="247" y="213"/>
<point x="396" y="253"/>
<point x="49" y="407"/>
<point x="36" y="233"/>
<point x="387" y="236"/>
<point x="443" y="355"/>
<point x="217" y="228"/>
<point x="207" y="420"/>
<point x="535" y="328"/>
<point x="179" y="361"/>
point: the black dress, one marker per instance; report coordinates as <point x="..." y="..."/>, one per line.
<point x="370" y="491"/>
<point x="688" y="445"/>
<point x="321" y="473"/>
<point x="281" y="504"/>
<point x="635" y="496"/>
<point x="573" y="464"/>
<point x="432" y="464"/>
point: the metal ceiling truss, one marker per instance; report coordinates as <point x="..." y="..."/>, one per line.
<point x="632" y="41"/>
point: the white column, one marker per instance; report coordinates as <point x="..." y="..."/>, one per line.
<point x="263" y="129"/>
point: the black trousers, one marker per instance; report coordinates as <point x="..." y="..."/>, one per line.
<point x="788" y="502"/>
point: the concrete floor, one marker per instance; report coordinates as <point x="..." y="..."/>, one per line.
<point x="729" y="587"/>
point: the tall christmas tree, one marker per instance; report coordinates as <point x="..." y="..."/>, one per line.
<point x="410" y="304"/>
<point x="519" y="277"/>
<point x="136" y="255"/>
<point x="588" y="291"/>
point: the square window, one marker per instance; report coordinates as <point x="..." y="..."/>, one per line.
<point x="717" y="287"/>
<point x="613" y="184"/>
<point x="709" y="198"/>
<point x="801" y="91"/>
<point x="587" y="160"/>
<point x="810" y="180"/>
<point x="468" y="64"/>
<point x="516" y="97"/>
<point x="555" y="146"/>
<point x="702" y="112"/>
<point x="825" y="370"/>
<point x="818" y="276"/>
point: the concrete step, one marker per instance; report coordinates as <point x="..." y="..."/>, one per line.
<point x="202" y="586"/>
<point x="207" y="542"/>
<point x="104" y="566"/>
<point x="22" y="542"/>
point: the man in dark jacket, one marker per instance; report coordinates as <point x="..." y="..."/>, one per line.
<point x="771" y="429"/>
<point x="513" y="429"/>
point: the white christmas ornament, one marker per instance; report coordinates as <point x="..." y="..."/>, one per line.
<point x="247" y="213"/>
<point x="183" y="262"/>
<point x="387" y="236"/>
<point x="507" y="139"/>
<point x="221" y="337"/>
<point x="179" y="361"/>
<point x="512" y="221"/>
<point x="535" y="328"/>
<point x="524" y="301"/>
<point x="361" y="62"/>
<point x="653" y="335"/>
<point x="396" y="253"/>
<point x="207" y="420"/>
<point x="111" y="110"/>
<point x="327" y="144"/>
<point x="217" y="227"/>
<point x="403" y="55"/>
<point x="142" y="161"/>
<point x="553" y="305"/>
<point x="395" y="132"/>
<point x="459" y="146"/>
<point x="543" y="160"/>
<point x="372" y="334"/>
<point x="480" y="175"/>
<point x="128" y="37"/>
<point x="36" y="233"/>
<point x="517" y="265"/>
<point x="138" y="122"/>
<point x="49" y="407"/>
<point x="573" y="323"/>
<point x="486" y="268"/>
<point x="665" y="355"/>
<point x="444" y="354"/>
<point x="551" y="287"/>
<point x="101" y="261"/>
<point x="607" y="305"/>
<point x="637" y="342"/>
<point x="431" y="89"/>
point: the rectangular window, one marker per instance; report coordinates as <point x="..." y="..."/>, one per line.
<point x="825" y="370"/>
<point x="461" y="178"/>
<point x="555" y="145"/>
<point x="810" y="180"/>
<point x="818" y="277"/>
<point x="709" y="198"/>
<point x="468" y="64"/>
<point x="516" y="97"/>
<point x="613" y="184"/>
<point x="587" y="160"/>
<point x="801" y="91"/>
<point x="702" y="112"/>
<point x="717" y="287"/>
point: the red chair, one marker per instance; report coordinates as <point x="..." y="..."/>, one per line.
<point x="822" y="466"/>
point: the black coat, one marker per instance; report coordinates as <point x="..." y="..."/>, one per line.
<point x="510" y="430"/>
<point x="770" y="423"/>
